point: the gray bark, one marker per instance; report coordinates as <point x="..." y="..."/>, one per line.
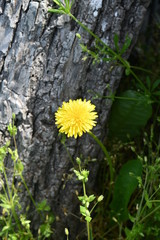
<point x="40" y="67"/>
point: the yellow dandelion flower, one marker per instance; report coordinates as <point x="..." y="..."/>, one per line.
<point x="76" y="117"/>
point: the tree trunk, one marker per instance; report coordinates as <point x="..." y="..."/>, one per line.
<point x="41" y="66"/>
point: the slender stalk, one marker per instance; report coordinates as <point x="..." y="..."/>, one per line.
<point x="69" y="155"/>
<point x="105" y="153"/>
<point x="149" y="214"/>
<point x="113" y="53"/>
<point x="29" y="193"/>
<point x="88" y="225"/>
<point x="142" y="199"/>
<point x="122" y="98"/>
<point x="11" y="200"/>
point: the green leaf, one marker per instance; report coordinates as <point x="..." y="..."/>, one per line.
<point x="127" y="71"/>
<point x="6" y="206"/>
<point x="125" y="185"/>
<point x="125" y="45"/>
<point x="88" y="218"/>
<point x="13" y="236"/>
<point x="83" y="210"/>
<point x="129" y="114"/>
<point x="19" y="167"/>
<point x="5" y="228"/>
<point x="91" y="198"/>
<point x="155" y="84"/>
<point x="148" y="203"/>
<point x="116" y="40"/>
<point x="43" y="206"/>
<point x="45" y="230"/>
<point x="3" y="152"/>
<point x="58" y="11"/>
<point x="58" y="2"/>
<point x="12" y="129"/>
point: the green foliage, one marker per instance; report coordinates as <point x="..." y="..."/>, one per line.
<point x="14" y="223"/>
<point x="129" y="114"/>
<point x="64" y="7"/>
<point x="124" y="187"/>
<point x="82" y="175"/>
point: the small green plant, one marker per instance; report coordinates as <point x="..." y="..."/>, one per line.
<point x="82" y="175"/>
<point x="14" y="223"/>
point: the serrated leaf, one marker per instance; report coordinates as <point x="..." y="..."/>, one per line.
<point x="129" y="115"/>
<point x="124" y="187"/>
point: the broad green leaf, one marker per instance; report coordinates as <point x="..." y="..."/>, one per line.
<point x="124" y="187"/>
<point x="129" y="114"/>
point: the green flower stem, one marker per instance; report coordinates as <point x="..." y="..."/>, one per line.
<point x="92" y="34"/>
<point x="69" y="155"/>
<point x="84" y="192"/>
<point x="11" y="200"/>
<point x="93" y="207"/>
<point x="117" y="56"/>
<point x="29" y="193"/>
<point x="88" y="225"/>
<point x="122" y="98"/>
<point x="149" y="214"/>
<point x="142" y="199"/>
<point x="66" y="10"/>
<point x="105" y="153"/>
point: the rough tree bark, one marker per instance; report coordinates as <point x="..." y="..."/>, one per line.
<point x="40" y="67"/>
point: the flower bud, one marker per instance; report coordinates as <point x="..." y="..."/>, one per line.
<point x="78" y="35"/>
<point x="66" y="231"/>
<point x="100" y="198"/>
<point x="78" y="160"/>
